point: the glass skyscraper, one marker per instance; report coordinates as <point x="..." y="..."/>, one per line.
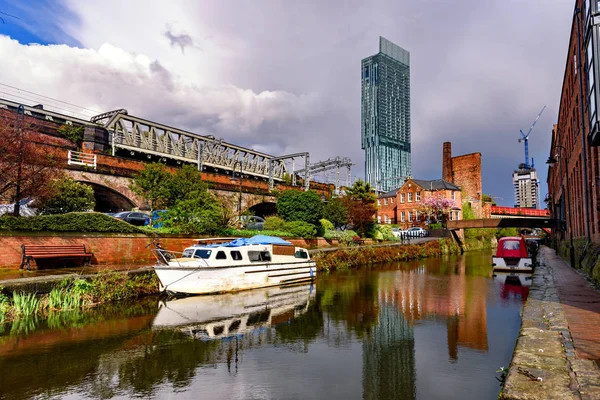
<point x="385" y="116"/>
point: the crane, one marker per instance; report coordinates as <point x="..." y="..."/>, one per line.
<point x="525" y="138"/>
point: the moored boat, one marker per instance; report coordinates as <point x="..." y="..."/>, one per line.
<point x="512" y="256"/>
<point x="241" y="264"/>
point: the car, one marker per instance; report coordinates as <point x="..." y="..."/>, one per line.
<point x="133" y="217"/>
<point x="254" y="223"/>
<point x="415" y="232"/>
<point x="397" y="232"/>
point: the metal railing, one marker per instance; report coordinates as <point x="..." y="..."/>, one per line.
<point x="79" y="158"/>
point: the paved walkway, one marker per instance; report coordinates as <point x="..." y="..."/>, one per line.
<point x="559" y="340"/>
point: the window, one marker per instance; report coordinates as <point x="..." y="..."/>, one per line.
<point x="202" y="254"/>
<point x="236" y="255"/>
<point x="402" y="216"/>
<point x="401" y="197"/>
<point x="221" y="255"/>
<point x="385" y="202"/>
<point x="410" y="197"/>
<point x="379" y="219"/>
<point x="392" y="200"/>
<point x="259" y="256"/>
<point x="511" y="245"/>
<point x="301" y="254"/>
<point x="453" y="195"/>
<point x="418" y="196"/>
<point x="410" y="216"/>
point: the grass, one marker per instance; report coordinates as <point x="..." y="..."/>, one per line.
<point x="26" y="304"/>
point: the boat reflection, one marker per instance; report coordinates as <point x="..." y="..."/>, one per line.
<point x="233" y="314"/>
<point x="513" y="284"/>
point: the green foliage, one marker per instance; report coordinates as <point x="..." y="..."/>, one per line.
<point x="361" y="205"/>
<point x="68" y="196"/>
<point x="301" y="229"/>
<point x="185" y="181"/>
<point x="274" y="223"/>
<point x="25" y="304"/>
<point x="198" y="213"/>
<point x="384" y="232"/>
<point x="71" y="222"/>
<point x="436" y="225"/>
<point x="467" y="211"/>
<point x="293" y="205"/>
<point x="485" y="234"/>
<point x="326" y="225"/>
<point x="72" y="133"/>
<point x="232" y="232"/>
<point x="336" y="212"/>
<point x="503" y="232"/>
<point x="154" y="184"/>
<point x="344" y="237"/>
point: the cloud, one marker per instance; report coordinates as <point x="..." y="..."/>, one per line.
<point x="183" y="40"/>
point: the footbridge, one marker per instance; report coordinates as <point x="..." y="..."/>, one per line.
<point x="505" y="222"/>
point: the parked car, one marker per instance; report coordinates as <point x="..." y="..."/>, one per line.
<point x="397" y="232"/>
<point x="133" y="217"/>
<point x="254" y="223"/>
<point x="415" y="232"/>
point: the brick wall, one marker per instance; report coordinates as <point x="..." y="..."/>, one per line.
<point x="466" y="173"/>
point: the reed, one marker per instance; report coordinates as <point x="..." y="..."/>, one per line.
<point x="64" y="299"/>
<point x="25" y="304"/>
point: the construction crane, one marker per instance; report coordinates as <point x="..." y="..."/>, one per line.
<point x="525" y="138"/>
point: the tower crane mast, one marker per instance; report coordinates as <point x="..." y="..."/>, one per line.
<point x="525" y="138"/>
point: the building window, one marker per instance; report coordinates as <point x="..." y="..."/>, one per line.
<point x="453" y="195"/>
<point x="385" y="202"/>
<point x="392" y="200"/>
<point x="418" y="196"/>
<point x="402" y="216"/>
<point x="401" y="197"/>
<point x="410" y="216"/>
<point x="379" y="219"/>
<point x="410" y="197"/>
<point x="378" y="202"/>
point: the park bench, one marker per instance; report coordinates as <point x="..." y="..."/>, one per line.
<point x="35" y="252"/>
<point x="358" y="240"/>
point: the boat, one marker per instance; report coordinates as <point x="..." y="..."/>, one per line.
<point x="513" y="284"/>
<point x="512" y="255"/>
<point x="230" y="315"/>
<point x="241" y="264"/>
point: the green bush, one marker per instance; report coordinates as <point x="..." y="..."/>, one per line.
<point x="71" y="222"/>
<point x="347" y="236"/>
<point x="301" y="229"/>
<point x="436" y="225"/>
<point x="274" y="223"/>
<point x="326" y="225"/>
<point x="332" y="234"/>
<point x="232" y="232"/>
<point x="384" y="232"/>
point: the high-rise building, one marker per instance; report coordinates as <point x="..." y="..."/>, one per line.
<point x="525" y="182"/>
<point x="385" y="116"/>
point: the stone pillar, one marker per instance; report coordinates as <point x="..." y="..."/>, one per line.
<point x="447" y="162"/>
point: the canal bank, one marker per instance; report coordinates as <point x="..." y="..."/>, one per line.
<point x="559" y="339"/>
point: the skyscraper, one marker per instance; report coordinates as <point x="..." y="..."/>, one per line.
<point x="385" y="116"/>
<point x="526" y="184"/>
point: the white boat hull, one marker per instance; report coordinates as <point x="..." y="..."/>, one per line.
<point x="523" y="265"/>
<point x="194" y="279"/>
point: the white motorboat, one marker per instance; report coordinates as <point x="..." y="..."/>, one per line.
<point x="241" y="264"/>
<point x="231" y="314"/>
<point x="512" y="256"/>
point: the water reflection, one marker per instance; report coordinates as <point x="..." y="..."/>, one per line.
<point x="395" y="332"/>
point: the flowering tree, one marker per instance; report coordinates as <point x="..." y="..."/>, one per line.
<point x="437" y="206"/>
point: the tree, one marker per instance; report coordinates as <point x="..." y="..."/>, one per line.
<point x="436" y="206"/>
<point x="336" y="212"/>
<point x="199" y="212"/>
<point x="154" y="183"/>
<point x="293" y="205"/>
<point x="185" y="180"/>
<point x="361" y="203"/>
<point x="67" y="196"/>
<point x="27" y="165"/>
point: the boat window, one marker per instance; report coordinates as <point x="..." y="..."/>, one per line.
<point x="202" y="253"/>
<point x="221" y="255"/>
<point x="301" y="254"/>
<point x="236" y="255"/>
<point x="187" y="253"/>
<point x="259" y="256"/>
<point x="511" y="245"/>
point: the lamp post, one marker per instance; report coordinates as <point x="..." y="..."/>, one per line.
<point x="551" y="161"/>
<point x="233" y="179"/>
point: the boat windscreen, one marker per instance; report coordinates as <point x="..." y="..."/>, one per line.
<point x="202" y="253"/>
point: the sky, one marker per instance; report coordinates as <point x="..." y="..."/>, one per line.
<point x="284" y="77"/>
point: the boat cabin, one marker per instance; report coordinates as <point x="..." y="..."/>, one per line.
<point x="512" y="247"/>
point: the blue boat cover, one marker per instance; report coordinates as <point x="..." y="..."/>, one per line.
<point x="258" y="239"/>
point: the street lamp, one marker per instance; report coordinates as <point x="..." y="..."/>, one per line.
<point x="551" y="161"/>
<point x="233" y="179"/>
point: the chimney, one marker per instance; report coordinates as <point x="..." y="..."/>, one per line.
<point x="447" y="162"/>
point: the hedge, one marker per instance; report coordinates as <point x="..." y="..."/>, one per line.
<point x="71" y="222"/>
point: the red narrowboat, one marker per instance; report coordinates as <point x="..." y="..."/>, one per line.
<point x="512" y="255"/>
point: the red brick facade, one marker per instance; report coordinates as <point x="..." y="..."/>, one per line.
<point x="403" y="207"/>
<point x="465" y="172"/>
<point x="572" y="151"/>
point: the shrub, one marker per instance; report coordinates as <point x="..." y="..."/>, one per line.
<point x="302" y="229"/>
<point x="274" y="223"/>
<point x="68" y="196"/>
<point x="347" y="236"/>
<point x="436" y="225"/>
<point x="384" y="232"/>
<point x="71" y="222"/>
<point x="326" y="225"/>
<point x="293" y="205"/>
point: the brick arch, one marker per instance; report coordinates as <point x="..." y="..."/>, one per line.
<point x="112" y="193"/>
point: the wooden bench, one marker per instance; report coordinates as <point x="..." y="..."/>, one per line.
<point x="358" y="240"/>
<point x="33" y="252"/>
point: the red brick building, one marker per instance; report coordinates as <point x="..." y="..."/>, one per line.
<point x="404" y="206"/>
<point x="574" y="171"/>
<point x="465" y="172"/>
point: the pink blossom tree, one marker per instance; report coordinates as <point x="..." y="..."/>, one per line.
<point x="437" y="206"/>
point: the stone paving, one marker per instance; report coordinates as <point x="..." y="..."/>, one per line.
<point x="559" y="338"/>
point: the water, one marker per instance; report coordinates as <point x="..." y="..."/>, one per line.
<point x="429" y="329"/>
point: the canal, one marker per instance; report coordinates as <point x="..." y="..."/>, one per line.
<point x="427" y="329"/>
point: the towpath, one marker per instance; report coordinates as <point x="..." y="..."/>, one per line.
<point x="558" y="349"/>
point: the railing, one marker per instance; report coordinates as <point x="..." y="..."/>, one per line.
<point x="79" y="158"/>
